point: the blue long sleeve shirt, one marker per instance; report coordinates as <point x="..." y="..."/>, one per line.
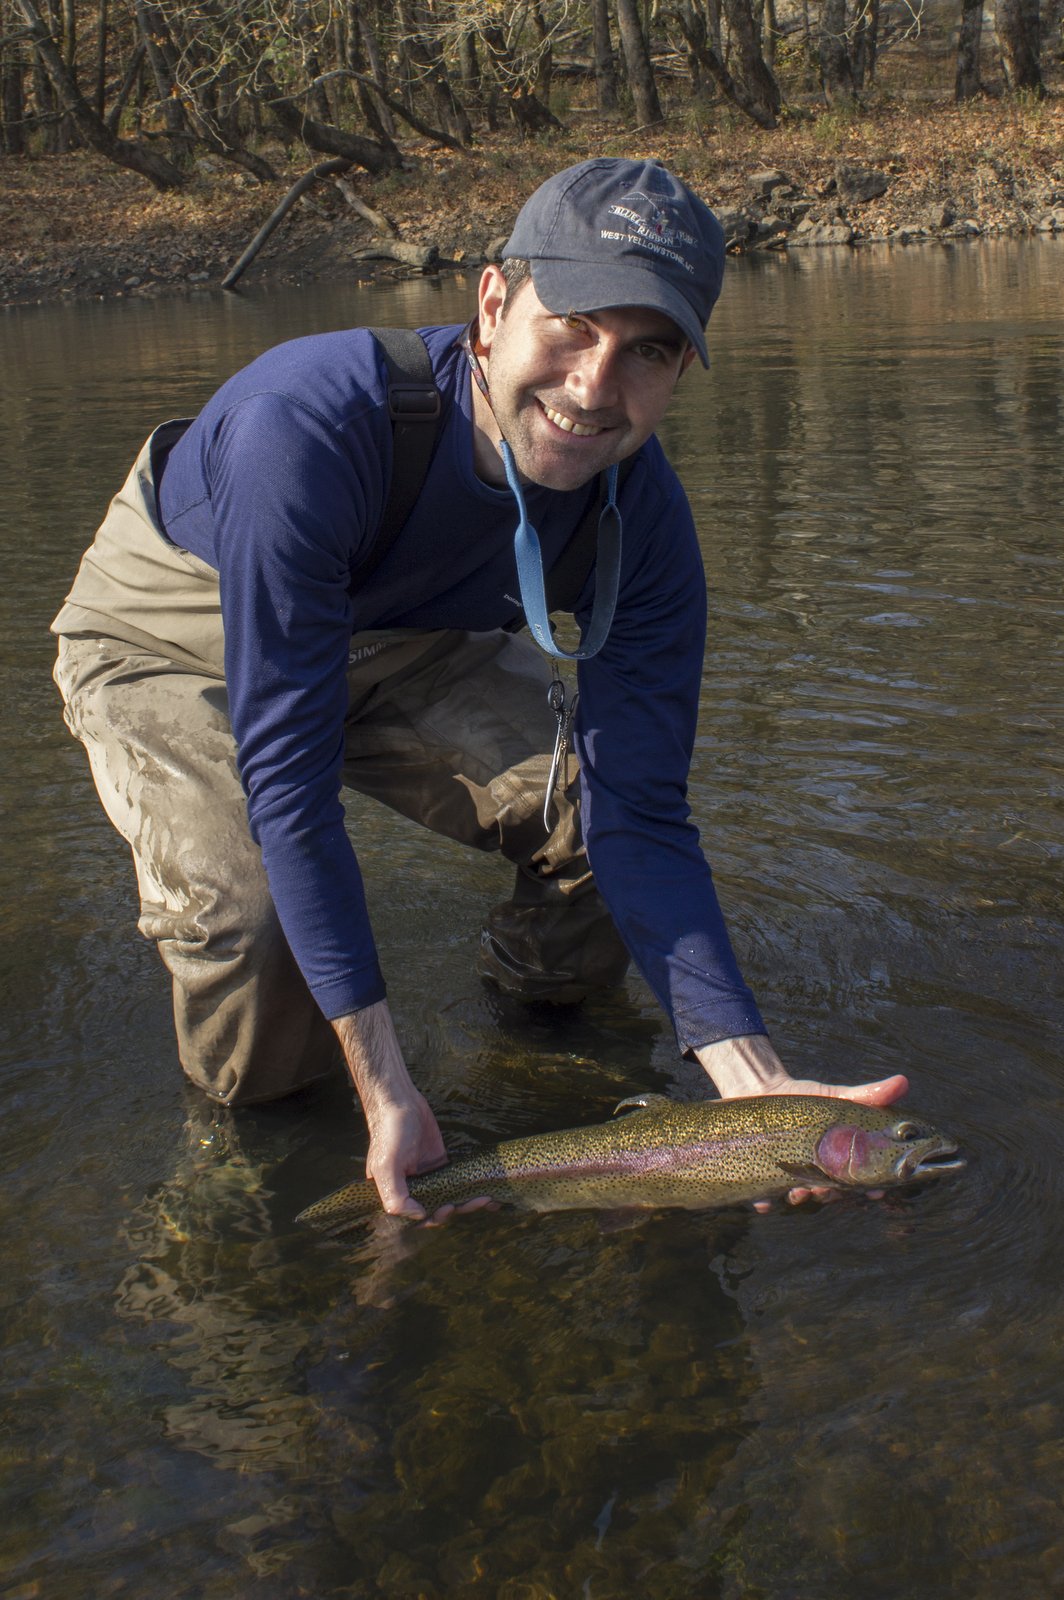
<point x="280" y="484"/>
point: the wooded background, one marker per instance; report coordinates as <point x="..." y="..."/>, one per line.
<point x="151" y="83"/>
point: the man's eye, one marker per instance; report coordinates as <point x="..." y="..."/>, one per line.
<point x="650" y="352"/>
<point x="571" y="320"/>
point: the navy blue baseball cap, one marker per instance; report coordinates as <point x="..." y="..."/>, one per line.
<point x="612" y="233"/>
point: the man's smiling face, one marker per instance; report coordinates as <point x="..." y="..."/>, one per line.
<point x="570" y="394"/>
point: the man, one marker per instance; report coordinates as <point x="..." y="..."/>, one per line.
<point x="234" y="649"/>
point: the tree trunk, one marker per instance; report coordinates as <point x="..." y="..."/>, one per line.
<point x="865" y="44"/>
<point x="545" y="63"/>
<point x="100" y="91"/>
<point x="12" y="102"/>
<point x="751" y="103"/>
<point x="692" y="20"/>
<point x="715" y="25"/>
<point x="469" y="66"/>
<point x="761" y="87"/>
<point x="153" y="32"/>
<point x="836" y="70"/>
<point x="341" y="54"/>
<point x="371" y="46"/>
<point x="529" y="112"/>
<point x="70" y="38"/>
<point x="605" y="65"/>
<point x="129" y="83"/>
<point x="222" y="140"/>
<point x="769" y="34"/>
<point x="967" y="83"/>
<point x="641" y="79"/>
<point x="1019" y="39"/>
<point x="427" y="57"/>
<point x="808" y="53"/>
<point x="124" y="152"/>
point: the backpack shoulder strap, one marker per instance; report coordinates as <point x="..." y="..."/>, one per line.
<point x="415" y="409"/>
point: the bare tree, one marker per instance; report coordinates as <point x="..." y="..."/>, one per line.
<point x="513" y="77"/>
<point x="752" y="87"/>
<point x="605" y="65"/>
<point x="364" y="40"/>
<point x="1019" y="40"/>
<point x="641" y="80"/>
<point x="93" y="129"/>
<point x="968" y="84"/>
<point x="13" y="64"/>
<point x="424" y="45"/>
<point x="865" y="43"/>
<point x="836" y="68"/>
<point x="757" y="76"/>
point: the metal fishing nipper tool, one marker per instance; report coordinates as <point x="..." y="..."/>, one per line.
<point x="564" y="711"/>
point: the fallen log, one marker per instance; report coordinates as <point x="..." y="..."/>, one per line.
<point x="376" y="219"/>
<point x="324" y="169"/>
<point x="423" y="256"/>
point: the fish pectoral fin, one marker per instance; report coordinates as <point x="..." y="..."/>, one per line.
<point x="805" y="1172"/>
<point x="640" y="1102"/>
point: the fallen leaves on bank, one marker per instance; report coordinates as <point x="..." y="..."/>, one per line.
<point x="77" y="226"/>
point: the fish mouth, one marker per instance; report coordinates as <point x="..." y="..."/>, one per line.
<point x="929" y="1160"/>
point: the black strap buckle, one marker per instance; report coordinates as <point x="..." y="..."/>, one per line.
<point x="413" y="402"/>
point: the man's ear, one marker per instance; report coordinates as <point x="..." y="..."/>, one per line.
<point x="490" y="297"/>
<point x="686" y="359"/>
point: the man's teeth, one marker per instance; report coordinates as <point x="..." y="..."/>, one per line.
<point x="569" y="425"/>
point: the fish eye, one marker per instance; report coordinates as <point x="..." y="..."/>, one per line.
<point x="907" y="1130"/>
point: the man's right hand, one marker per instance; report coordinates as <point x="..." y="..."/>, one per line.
<point x="404" y="1138"/>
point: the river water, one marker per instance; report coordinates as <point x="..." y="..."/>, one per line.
<point x="199" y="1399"/>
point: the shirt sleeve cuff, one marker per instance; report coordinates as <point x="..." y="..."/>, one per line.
<point x="695" y="1029"/>
<point x="340" y="996"/>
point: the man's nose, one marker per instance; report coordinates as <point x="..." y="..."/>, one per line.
<point x="593" y="379"/>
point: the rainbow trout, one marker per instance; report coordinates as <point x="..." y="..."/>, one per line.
<point x="671" y="1153"/>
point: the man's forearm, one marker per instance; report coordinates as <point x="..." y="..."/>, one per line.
<point x="743" y="1066"/>
<point x="374" y="1057"/>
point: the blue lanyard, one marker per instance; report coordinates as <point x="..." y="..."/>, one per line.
<point x="529" y="559"/>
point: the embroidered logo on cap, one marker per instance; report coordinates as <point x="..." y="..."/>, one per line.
<point x="650" y="224"/>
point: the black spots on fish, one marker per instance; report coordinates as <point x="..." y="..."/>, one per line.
<point x="341" y="1209"/>
<point x="665" y="1153"/>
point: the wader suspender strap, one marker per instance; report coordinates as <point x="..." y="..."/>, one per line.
<point x="415" y="410"/>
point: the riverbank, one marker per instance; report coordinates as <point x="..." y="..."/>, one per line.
<point x="78" y="227"/>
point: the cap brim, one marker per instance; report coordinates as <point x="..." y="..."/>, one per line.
<point x="589" y="286"/>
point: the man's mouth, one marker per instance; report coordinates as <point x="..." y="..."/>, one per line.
<point x="580" y="429"/>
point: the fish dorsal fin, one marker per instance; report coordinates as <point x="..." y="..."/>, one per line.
<point x="640" y="1102"/>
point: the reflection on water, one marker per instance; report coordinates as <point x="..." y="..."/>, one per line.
<point x="198" y="1398"/>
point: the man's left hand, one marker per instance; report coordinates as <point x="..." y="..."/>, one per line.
<point x="750" y="1066"/>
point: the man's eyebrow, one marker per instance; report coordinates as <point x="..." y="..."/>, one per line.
<point x="674" y="341"/>
<point x="671" y="339"/>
